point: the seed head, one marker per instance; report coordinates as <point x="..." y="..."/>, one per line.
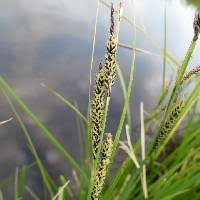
<point x="196" y="70"/>
<point x="168" y="125"/>
<point x="106" y="152"/>
<point x="196" y="25"/>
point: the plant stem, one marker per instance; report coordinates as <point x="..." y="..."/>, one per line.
<point x="165" y="46"/>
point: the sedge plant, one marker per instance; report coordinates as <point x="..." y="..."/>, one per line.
<point x="156" y="169"/>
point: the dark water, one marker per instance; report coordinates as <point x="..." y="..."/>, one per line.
<point x="51" y="42"/>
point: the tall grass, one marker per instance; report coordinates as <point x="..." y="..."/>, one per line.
<point x="157" y="170"/>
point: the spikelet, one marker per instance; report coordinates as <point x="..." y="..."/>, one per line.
<point x="168" y="126"/>
<point x="104" y="161"/>
<point x="196" y="25"/>
<point x="104" y="81"/>
<point x="190" y="73"/>
<point x="97" y="111"/>
<point x="110" y="62"/>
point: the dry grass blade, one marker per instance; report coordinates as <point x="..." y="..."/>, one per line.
<point x="1" y="195"/>
<point x="32" y="194"/>
<point x="60" y="191"/>
<point x="129" y="148"/>
<point x="76" y="179"/>
<point x="136" y="49"/>
<point x="93" y="48"/>
<point x="143" y="174"/>
<point x="6" y="121"/>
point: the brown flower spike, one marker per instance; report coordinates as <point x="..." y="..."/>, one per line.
<point x="104" y="81"/>
<point x="196" y="25"/>
<point x="106" y="152"/>
<point x="190" y="73"/>
<point x="168" y="125"/>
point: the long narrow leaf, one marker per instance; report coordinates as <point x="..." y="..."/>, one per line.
<point x="33" y="150"/>
<point x="65" y="101"/>
<point x="43" y="129"/>
<point x="22" y="176"/>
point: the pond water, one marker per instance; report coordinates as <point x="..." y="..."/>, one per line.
<point x="50" y="41"/>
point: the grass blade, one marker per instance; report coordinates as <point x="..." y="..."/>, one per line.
<point x="192" y="98"/>
<point x="124" y="90"/>
<point x="59" y="194"/>
<point x="43" y="171"/>
<point x="6" y="121"/>
<point x="33" y="195"/>
<point x="22" y="176"/>
<point x="69" y="194"/>
<point x="1" y="195"/>
<point x="65" y="101"/>
<point x="126" y="103"/>
<point x="169" y="57"/>
<point x="43" y="129"/>
<point x="16" y="193"/>
<point x="143" y="173"/>
<point x="93" y="48"/>
<point x="165" y="45"/>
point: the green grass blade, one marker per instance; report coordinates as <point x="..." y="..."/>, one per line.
<point x="22" y="176"/>
<point x="169" y="57"/>
<point x="165" y="45"/>
<point x="43" y="129"/>
<point x="61" y="197"/>
<point x="180" y="76"/>
<point x="177" y="85"/>
<point x="192" y="98"/>
<point x="122" y="170"/>
<point x="69" y="194"/>
<point x="60" y="194"/>
<point x="126" y="103"/>
<point x="1" y="195"/>
<point x="10" y="178"/>
<point x="16" y="193"/>
<point x="65" y="101"/>
<point x="44" y="173"/>
<point x="81" y="137"/>
<point x="124" y="90"/>
<point x="33" y="195"/>
<point x="33" y="150"/>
